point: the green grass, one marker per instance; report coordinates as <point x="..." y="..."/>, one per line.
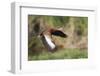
<point x="60" y="54"/>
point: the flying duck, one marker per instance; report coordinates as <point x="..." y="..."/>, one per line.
<point x="46" y="36"/>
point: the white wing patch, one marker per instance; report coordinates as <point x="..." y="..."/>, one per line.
<point x="51" y="44"/>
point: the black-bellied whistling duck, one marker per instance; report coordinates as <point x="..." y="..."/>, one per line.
<point x="46" y="36"/>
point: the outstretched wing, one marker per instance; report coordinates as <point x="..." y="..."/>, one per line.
<point x="59" y="33"/>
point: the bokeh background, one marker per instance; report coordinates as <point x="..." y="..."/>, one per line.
<point x="75" y="46"/>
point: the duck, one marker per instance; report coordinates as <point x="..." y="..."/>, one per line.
<point x="46" y="36"/>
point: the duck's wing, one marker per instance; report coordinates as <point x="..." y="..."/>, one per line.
<point x="59" y="33"/>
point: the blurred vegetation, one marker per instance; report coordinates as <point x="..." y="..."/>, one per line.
<point x="75" y="27"/>
<point x="60" y="54"/>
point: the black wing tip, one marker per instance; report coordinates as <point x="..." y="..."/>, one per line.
<point x="64" y="35"/>
<point x="59" y="33"/>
